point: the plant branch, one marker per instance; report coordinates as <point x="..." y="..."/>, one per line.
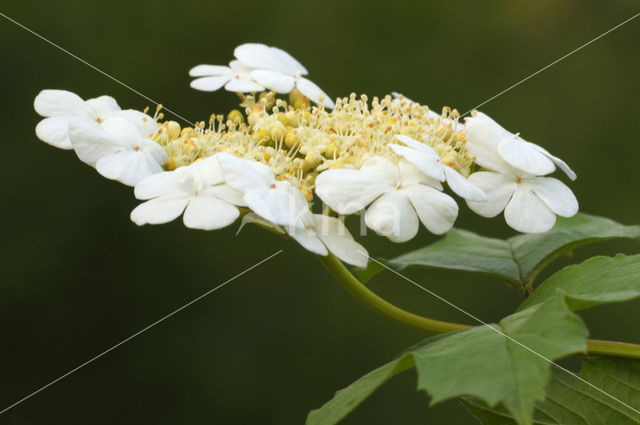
<point x="380" y="305"/>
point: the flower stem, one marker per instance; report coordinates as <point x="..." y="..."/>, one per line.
<point x="361" y="292"/>
<point x="369" y="298"/>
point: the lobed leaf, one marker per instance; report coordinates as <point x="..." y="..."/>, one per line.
<point x="516" y="260"/>
<point x="489" y="362"/>
<point x="570" y="401"/>
<point x="596" y="281"/>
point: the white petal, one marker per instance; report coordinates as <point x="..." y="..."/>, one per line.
<point x="210" y="71"/>
<point x="156" y="185"/>
<point x="209" y="213"/>
<point x="243" y="85"/>
<point x="91" y="143"/>
<point x="308" y="239"/>
<point x="143" y="122"/>
<point x="238" y="67"/>
<point x="462" y="186"/>
<point x="245" y="174"/>
<point x="349" y="191"/>
<point x="224" y="192"/>
<point x="559" y="163"/>
<point x="427" y="162"/>
<point x="122" y="128"/>
<point x="392" y="216"/>
<point x="153" y="151"/>
<point x="410" y="174"/>
<point x="313" y="92"/>
<point x="298" y="205"/>
<point x="280" y="205"/>
<point x="103" y="106"/>
<point x="436" y="210"/>
<point x="558" y="197"/>
<point x="524" y="157"/>
<point x="380" y="166"/>
<point x="159" y="210"/>
<point x="419" y="146"/>
<point x="289" y="62"/>
<point x="209" y="83"/>
<point x="50" y="103"/>
<point x="55" y="130"/>
<point x="527" y="213"/>
<point x="274" y="80"/>
<point x="483" y="135"/>
<point x="255" y="55"/>
<point x="208" y="170"/>
<point x="127" y="167"/>
<point x="499" y="189"/>
<point x="339" y="241"/>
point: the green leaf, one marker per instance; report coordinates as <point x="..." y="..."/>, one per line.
<point x="516" y="260"/>
<point x="534" y="252"/>
<point x="488" y="362"/>
<point x="459" y="250"/>
<point x="350" y="397"/>
<point x="596" y="281"/>
<point x="570" y="401"/>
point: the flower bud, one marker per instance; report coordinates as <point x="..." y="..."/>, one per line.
<point x="312" y="159"/>
<point x="173" y="129"/>
<point x="235" y="116"/>
<point x="290" y="139"/>
<point x="292" y="119"/>
<point x="268" y="99"/>
<point x="298" y="100"/>
<point x="277" y="131"/>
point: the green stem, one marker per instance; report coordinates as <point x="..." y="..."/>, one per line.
<point x="369" y="298"/>
<point x="361" y="292"/>
<point x="613" y="348"/>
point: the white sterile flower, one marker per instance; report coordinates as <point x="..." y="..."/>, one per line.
<point x="530" y="201"/>
<point x="276" y="201"/>
<point x="277" y="70"/>
<point x="399" y="195"/>
<point x="330" y="233"/>
<point x="429" y="162"/>
<point x="236" y="78"/>
<point x="492" y="145"/>
<point x="60" y="107"/>
<point x="117" y="150"/>
<point x="198" y="190"/>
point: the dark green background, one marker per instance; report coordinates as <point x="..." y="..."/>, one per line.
<point x="78" y="276"/>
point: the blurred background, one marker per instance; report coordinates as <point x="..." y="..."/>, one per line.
<point x="78" y="277"/>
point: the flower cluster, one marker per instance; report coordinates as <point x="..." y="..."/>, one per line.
<point x="389" y="159"/>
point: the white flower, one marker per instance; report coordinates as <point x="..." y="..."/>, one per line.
<point x="329" y="233"/>
<point x="281" y="203"/>
<point x="492" y="145"/>
<point x="429" y="162"/>
<point x="276" y="201"/>
<point x="62" y="107"/>
<point x="530" y="201"/>
<point x="117" y="149"/>
<point x="277" y="70"/>
<point x="198" y="190"/>
<point x="236" y="78"/>
<point x="400" y="195"/>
